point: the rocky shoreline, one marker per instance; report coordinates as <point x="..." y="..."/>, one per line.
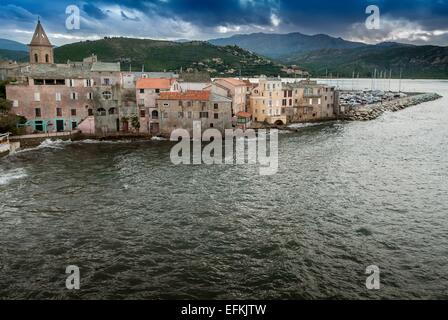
<point x="373" y="111"/>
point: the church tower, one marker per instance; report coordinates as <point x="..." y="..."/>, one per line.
<point x="41" y="50"/>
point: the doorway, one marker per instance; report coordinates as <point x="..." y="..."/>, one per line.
<point x="59" y="125"/>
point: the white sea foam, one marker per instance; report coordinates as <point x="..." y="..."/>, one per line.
<point x="8" y="176"/>
<point x="158" y="139"/>
<point x="305" y="125"/>
<point x="54" y="144"/>
<point x="92" y="141"/>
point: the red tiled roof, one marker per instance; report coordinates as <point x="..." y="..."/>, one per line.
<point x="188" y="95"/>
<point x="244" y="114"/>
<point x="154" y="83"/>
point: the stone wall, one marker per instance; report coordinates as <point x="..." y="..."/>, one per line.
<point x="373" y="111"/>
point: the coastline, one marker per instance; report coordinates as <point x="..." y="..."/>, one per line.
<point x="363" y="113"/>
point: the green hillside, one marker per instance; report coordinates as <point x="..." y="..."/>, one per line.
<point x="19" y="56"/>
<point x="414" y="61"/>
<point x="170" y="56"/>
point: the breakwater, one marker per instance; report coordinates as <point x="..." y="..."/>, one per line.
<point x="373" y="111"/>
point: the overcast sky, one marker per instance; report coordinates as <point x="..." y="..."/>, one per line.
<point x="411" y="21"/>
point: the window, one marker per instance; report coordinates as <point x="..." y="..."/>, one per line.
<point x="142" y="90"/>
<point x="311" y="101"/>
<point x="73" y="112"/>
<point x="155" y="114"/>
<point x="203" y="115"/>
<point x="107" y="95"/>
<point x="37" y="112"/>
<point x="15" y="103"/>
<point x="112" y="111"/>
<point x="36" y="58"/>
<point x="74" y="96"/>
<point x="284" y="102"/>
<point x="71" y="83"/>
<point x="106" y="81"/>
<point x="142" y="113"/>
<point x="101" y="112"/>
<point x="58" y="96"/>
<point x="90" y="112"/>
<point x="216" y="106"/>
<point x="88" y="83"/>
<point x="37" y="96"/>
<point x="189" y="104"/>
<point x="166" y="104"/>
<point x="89" y="96"/>
<point x="319" y="101"/>
<point x="181" y="103"/>
<point x="189" y="114"/>
<point x="211" y="125"/>
<point x="157" y="90"/>
<point x="216" y="115"/>
<point x="58" y="112"/>
<point x="47" y="58"/>
<point x="180" y="115"/>
<point x="141" y="102"/>
<point x="74" y="125"/>
<point x="38" y="126"/>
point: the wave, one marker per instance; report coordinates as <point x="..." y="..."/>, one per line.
<point x="48" y="143"/>
<point x="158" y="139"/>
<point x="305" y="125"/>
<point x="8" y="176"/>
<point x="92" y="141"/>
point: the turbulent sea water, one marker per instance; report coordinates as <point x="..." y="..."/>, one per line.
<point x="347" y="196"/>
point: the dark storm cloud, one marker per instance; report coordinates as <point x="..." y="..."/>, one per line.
<point x="202" y="19"/>
<point x="93" y="11"/>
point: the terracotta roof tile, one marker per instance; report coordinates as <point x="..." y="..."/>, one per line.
<point x="188" y="95"/>
<point x="154" y="83"/>
<point x="243" y="114"/>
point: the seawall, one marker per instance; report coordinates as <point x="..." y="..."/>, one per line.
<point x="373" y="111"/>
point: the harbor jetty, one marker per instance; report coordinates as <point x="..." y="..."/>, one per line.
<point x="373" y="111"/>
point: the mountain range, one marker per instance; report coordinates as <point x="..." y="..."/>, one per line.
<point x="259" y="53"/>
<point x="12" y="45"/>
<point x="279" y="46"/>
<point x="323" y="55"/>
<point x="156" y="55"/>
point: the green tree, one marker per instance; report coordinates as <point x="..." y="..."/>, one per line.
<point x="135" y="121"/>
<point x="9" y="122"/>
<point x="3" y="89"/>
<point x="5" y="106"/>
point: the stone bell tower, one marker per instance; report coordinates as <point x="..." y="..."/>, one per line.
<point x="41" y="50"/>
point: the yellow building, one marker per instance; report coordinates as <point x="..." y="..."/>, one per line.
<point x="266" y="102"/>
